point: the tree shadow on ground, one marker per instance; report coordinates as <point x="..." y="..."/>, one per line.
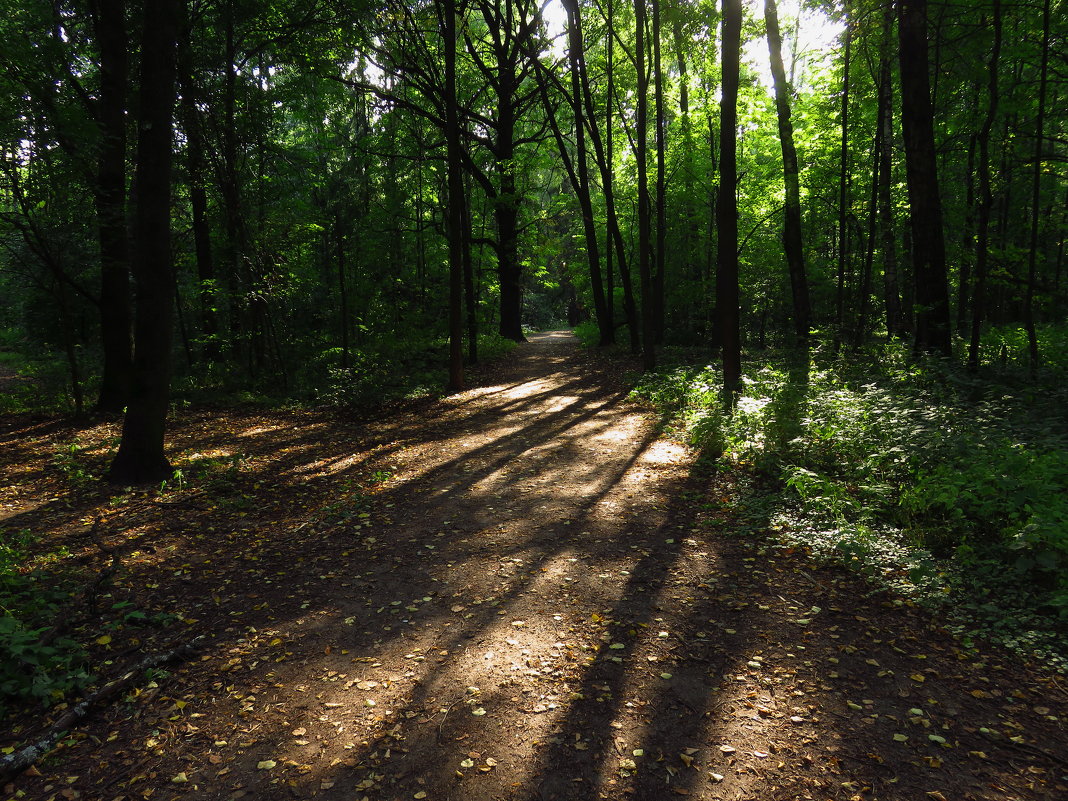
<point x="548" y="605"/>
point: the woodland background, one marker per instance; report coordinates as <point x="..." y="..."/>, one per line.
<point x="834" y="233"/>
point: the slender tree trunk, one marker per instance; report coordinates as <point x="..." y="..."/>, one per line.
<point x="727" y="296"/>
<point x="689" y="230"/>
<point x="454" y="211"/>
<point x="843" y="185"/>
<point x="470" y="296"/>
<point x="116" y="321"/>
<point x="196" y="163"/>
<point x="141" y="457"/>
<point x="641" y="123"/>
<point x="895" y="326"/>
<point x="986" y="200"/>
<point x="342" y="290"/>
<point x="860" y="330"/>
<point x="925" y="206"/>
<point x="230" y="190"/>
<point x="964" y="277"/>
<point x="581" y="174"/>
<point x="1036" y="195"/>
<point x="661" y="182"/>
<point x="630" y="311"/>
<point x="792" y="242"/>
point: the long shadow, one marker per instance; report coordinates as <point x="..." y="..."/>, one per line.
<point x="408" y="607"/>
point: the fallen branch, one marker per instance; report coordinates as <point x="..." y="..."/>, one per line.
<point x="15" y="763"/>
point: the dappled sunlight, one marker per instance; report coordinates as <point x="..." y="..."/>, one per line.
<point x="526" y="595"/>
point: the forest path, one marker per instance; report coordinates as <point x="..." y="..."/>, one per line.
<point x="521" y="591"/>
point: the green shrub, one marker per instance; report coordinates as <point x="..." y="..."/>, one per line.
<point x="960" y="481"/>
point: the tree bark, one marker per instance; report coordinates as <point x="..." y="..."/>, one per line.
<point x="455" y="201"/>
<point x="641" y="124"/>
<point x="925" y="206"/>
<point x="116" y="321"/>
<point x="141" y="457"/>
<point x="727" y="205"/>
<point x="660" y="248"/>
<point x="843" y="186"/>
<point x="607" y="334"/>
<point x="198" y="197"/>
<point x="792" y="241"/>
<point x="1036" y="193"/>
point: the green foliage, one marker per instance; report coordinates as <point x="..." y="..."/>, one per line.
<point x="399" y="369"/>
<point x="916" y="470"/>
<point x="33" y="667"/>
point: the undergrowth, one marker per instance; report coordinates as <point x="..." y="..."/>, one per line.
<point x="947" y="486"/>
<point x="33" y="666"/>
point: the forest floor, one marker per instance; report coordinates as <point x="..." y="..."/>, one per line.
<point x="524" y="591"/>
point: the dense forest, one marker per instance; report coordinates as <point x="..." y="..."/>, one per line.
<point x="819" y="245"/>
<point x="300" y="196"/>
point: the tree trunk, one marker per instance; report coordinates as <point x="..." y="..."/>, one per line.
<point x="925" y="206"/>
<point x="470" y="296"/>
<point x="727" y="205"/>
<point x="986" y="200"/>
<point x="792" y="242"/>
<point x="1036" y="191"/>
<point x="641" y="123"/>
<point x="141" y="457"/>
<point x="198" y="196"/>
<point x="964" y="277"/>
<point x="661" y="179"/>
<point x="115" y="302"/>
<point x="455" y="201"/>
<point x="895" y="325"/>
<point x="843" y="186"/>
<point x="582" y="178"/>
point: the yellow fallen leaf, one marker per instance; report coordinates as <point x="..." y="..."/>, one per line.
<point x="266" y="764"/>
<point x="103" y="640"/>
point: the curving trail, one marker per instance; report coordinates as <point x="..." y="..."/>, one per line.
<point x="524" y="591"/>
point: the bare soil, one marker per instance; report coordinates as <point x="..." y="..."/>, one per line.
<point x="522" y="591"/>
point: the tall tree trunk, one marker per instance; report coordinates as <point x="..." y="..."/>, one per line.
<point x="860" y="330"/>
<point x="986" y="200"/>
<point x="843" y="186"/>
<point x="661" y="181"/>
<point x="1036" y="192"/>
<point x="454" y="212"/>
<point x="964" y="277"/>
<point x="342" y="290"/>
<point x="582" y="177"/>
<point x="895" y="325"/>
<point x="689" y="229"/>
<point x="641" y="123"/>
<point x="230" y="189"/>
<point x="925" y="206"/>
<point x="115" y="301"/>
<point x="792" y="242"/>
<point x="470" y="296"/>
<point x="630" y="311"/>
<point x="196" y="163"/>
<point x="141" y="457"/>
<point x="727" y="204"/>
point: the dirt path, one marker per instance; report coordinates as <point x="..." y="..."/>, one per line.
<point x="523" y="592"/>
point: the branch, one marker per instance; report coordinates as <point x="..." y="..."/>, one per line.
<point x="15" y="763"/>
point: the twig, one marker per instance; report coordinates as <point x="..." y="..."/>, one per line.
<point x="441" y="724"/>
<point x="17" y="762"/>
